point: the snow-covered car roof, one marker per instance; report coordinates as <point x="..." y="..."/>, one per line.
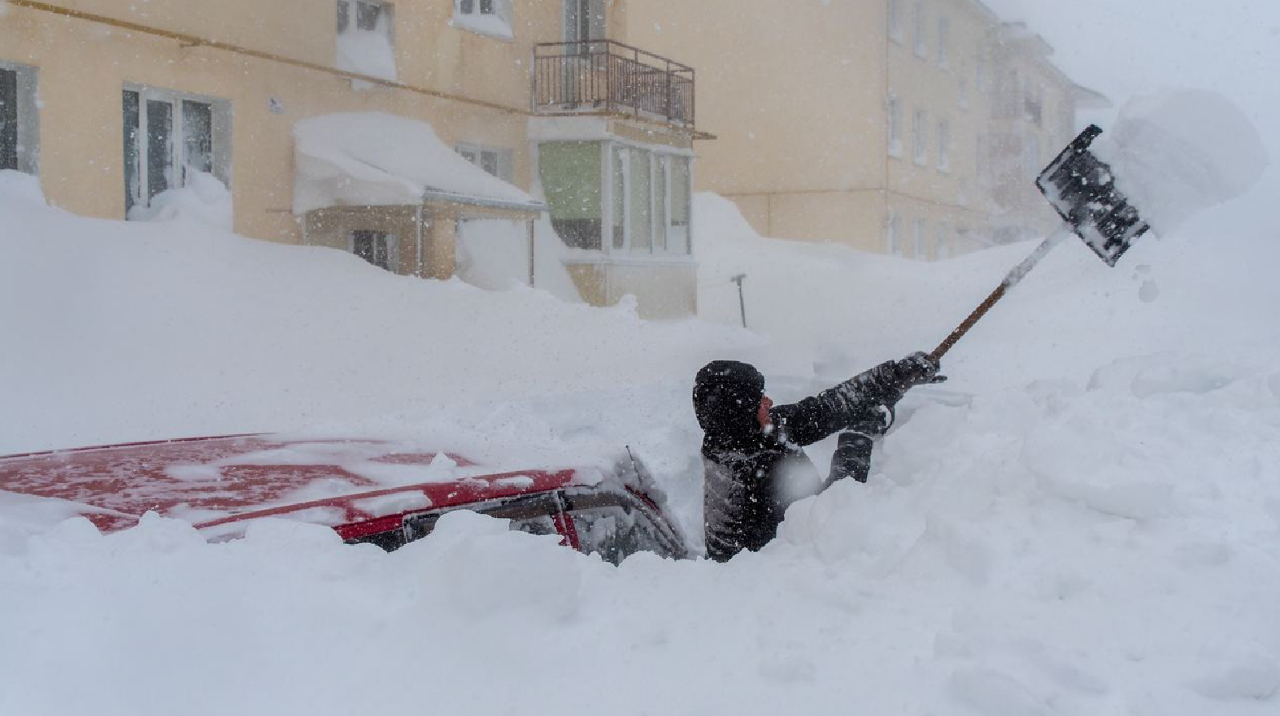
<point x="354" y="485"/>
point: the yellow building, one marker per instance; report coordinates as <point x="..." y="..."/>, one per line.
<point x="912" y="127"/>
<point x="323" y="119"/>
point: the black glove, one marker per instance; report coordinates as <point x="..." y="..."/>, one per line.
<point x="916" y="369"/>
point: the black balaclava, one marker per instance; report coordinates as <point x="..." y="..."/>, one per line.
<point x="726" y="399"/>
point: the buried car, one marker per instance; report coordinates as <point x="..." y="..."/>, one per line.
<point x="383" y="492"/>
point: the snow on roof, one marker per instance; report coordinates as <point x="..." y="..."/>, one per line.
<point x="379" y="159"/>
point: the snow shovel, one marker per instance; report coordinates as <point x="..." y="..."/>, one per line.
<point x="1081" y="188"/>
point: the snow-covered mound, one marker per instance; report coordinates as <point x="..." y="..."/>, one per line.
<point x="1085" y="520"/>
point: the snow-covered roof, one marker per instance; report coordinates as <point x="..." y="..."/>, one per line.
<point x="379" y="159"/>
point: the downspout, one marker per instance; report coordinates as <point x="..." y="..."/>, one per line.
<point x="532" y="264"/>
<point x="418" y="221"/>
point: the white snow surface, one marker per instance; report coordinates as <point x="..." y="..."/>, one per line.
<point x="367" y="52"/>
<point x="204" y="199"/>
<point x="381" y="159"/>
<point x="1084" y="520"/>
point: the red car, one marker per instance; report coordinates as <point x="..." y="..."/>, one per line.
<point x="382" y="492"/>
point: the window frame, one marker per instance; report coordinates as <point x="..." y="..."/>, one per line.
<point x="470" y="15"/>
<point x="26" y="134"/>
<point x="944" y="39"/>
<point x="220" y="138"/>
<point x="661" y="240"/>
<point x="475" y="153"/>
<point x="919" y="42"/>
<point x="892" y="233"/>
<point x="393" y="248"/>
<point x="944" y="145"/>
<point x="918" y="230"/>
<point x="893" y="108"/>
<point x="919" y="141"/>
<point x="894" y="21"/>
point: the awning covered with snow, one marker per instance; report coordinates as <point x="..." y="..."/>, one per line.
<point x="379" y="159"/>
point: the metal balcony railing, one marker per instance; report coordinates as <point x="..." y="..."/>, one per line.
<point x="607" y="77"/>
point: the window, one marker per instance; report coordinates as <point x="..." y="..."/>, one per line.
<point x="919" y="151"/>
<point x="366" y="41"/>
<point x="980" y="75"/>
<point x="921" y="48"/>
<point x="376" y="247"/>
<point x="487" y="17"/>
<point x="892" y="234"/>
<point x="895" y="21"/>
<point x="619" y="187"/>
<point x="584" y="20"/>
<point x="19" y="124"/>
<point x="944" y="37"/>
<point x="495" y="161"/>
<point x="640" y="199"/>
<point x="895" y="127"/>
<point x="962" y="94"/>
<point x="940" y="242"/>
<point x="979" y="157"/>
<point x="571" y="178"/>
<point x="643" y="197"/>
<point x="944" y="145"/>
<point x="681" y="184"/>
<point x="917" y="239"/>
<point x="169" y="137"/>
<point x="1031" y="165"/>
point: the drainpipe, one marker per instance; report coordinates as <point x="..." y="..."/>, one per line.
<point x="418" y="221"/>
<point x="532" y="255"/>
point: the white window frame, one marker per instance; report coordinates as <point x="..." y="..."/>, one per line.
<point x="658" y="161"/>
<point x="944" y="145"/>
<point x="940" y="239"/>
<point x="220" y="138"/>
<point x="475" y="153"/>
<point x="895" y="21"/>
<point x="492" y="18"/>
<point x="944" y="39"/>
<point x="894" y="110"/>
<point x="918" y="231"/>
<point x="920" y="44"/>
<point x="892" y="233"/>
<point x="26" y="96"/>
<point x="393" y="248"/>
<point x="387" y="15"/>
<point x="386" y="10"/>
<point x="919" y="143"/>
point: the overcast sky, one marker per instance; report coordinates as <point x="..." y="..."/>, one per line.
<point x="1122" y="47"/>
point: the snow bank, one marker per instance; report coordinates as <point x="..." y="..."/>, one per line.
<point x="379" y="159"/>
<point x="17" y="185"/>
<point x="204" y="200"/>
<point x="1177" y="152"/>
<point x="1084" y="520"/>
<point x="494" y="254"/>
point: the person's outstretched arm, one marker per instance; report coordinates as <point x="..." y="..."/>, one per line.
<point x="867" y="399"/>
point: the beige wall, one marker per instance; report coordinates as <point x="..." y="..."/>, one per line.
<point x="81" y="115"/>
<point x="798" y="93"/>
<point x="471" y="87"/>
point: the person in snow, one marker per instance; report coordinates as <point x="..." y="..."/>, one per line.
<point x="751" y="448"/>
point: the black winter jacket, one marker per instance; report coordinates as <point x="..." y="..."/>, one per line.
<point x="746" y="467"/>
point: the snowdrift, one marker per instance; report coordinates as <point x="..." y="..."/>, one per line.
<point x="1085" y="520"/>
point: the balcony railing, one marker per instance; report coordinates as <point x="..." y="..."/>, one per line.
<point x="607" y="77"/>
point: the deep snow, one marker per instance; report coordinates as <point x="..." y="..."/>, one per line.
<point x="1084" y="520"/>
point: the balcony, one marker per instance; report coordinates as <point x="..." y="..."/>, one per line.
<point x="610" y="78"/>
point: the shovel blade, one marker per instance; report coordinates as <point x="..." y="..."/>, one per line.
<point x="1081" y="188"/>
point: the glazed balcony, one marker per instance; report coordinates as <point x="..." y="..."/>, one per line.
<point x="610" y="78"/>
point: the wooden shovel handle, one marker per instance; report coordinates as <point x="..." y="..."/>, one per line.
<point x="964" y="327"/>
<point x="1010" y="280"/>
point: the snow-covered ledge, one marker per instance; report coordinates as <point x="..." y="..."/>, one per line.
<point x="488" y="25"/>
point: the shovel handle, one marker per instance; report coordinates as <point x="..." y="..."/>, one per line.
<point x="1010" y="280"/>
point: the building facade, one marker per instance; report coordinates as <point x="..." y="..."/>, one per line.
<point x="911" y="127"/>
<point x="547" y="111"/>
